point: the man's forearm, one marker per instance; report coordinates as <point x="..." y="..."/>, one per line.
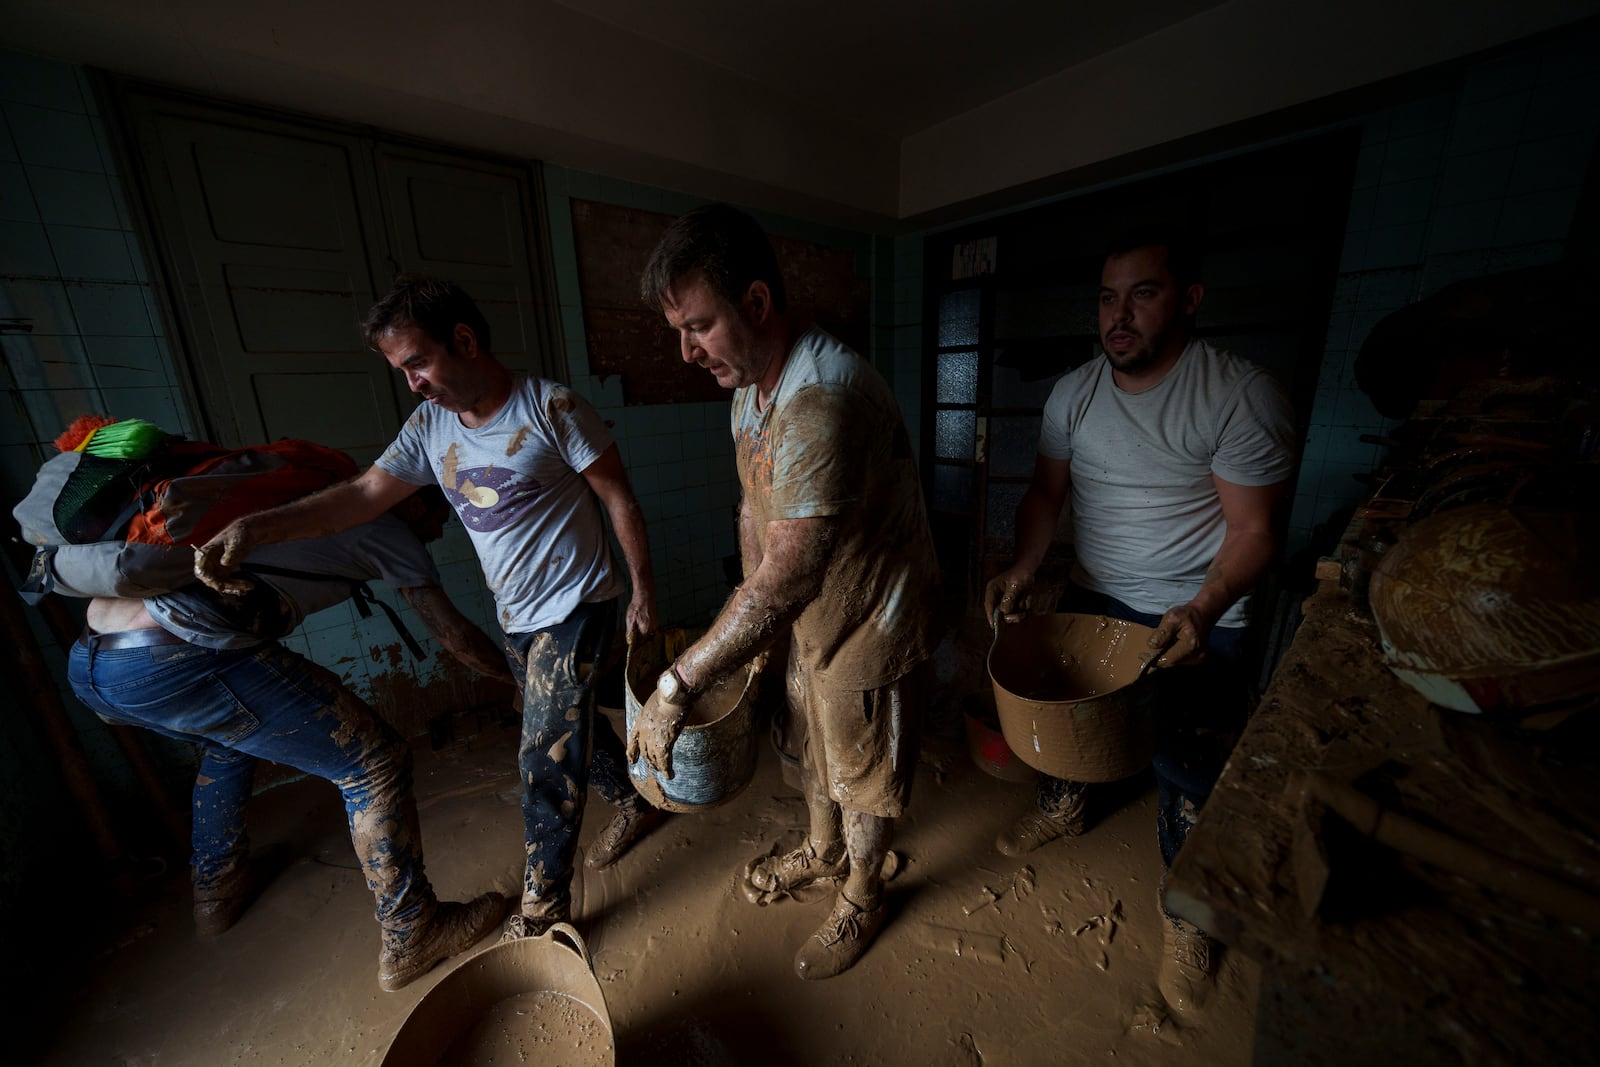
<point x="788" y="578"/>
<point x="627" y="521"/>
<point x="332" y="510"/>
<point x="1036" y="529"/>
<point x="1238" y="566"/>
<point x="459" y="636"/>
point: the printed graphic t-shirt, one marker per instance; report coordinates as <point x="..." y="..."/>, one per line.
<point x="517" y="483"/>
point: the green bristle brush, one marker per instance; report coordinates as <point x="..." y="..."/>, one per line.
<point x="124" y="439"/>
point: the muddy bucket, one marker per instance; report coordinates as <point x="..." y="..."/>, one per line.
<point x="533" y="1000"/>
<point x="1071" y="699"/>
<point x="714" y="757"/>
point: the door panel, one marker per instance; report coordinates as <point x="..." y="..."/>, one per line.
<point x="468" y="220"/>
<point x="272" y="246"/>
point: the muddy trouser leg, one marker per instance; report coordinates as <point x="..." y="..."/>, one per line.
<point x="556" y="667"/>
<point x="272" y="704"/>
<point x="220" y="842"/>
<point x="1201" y="710"/>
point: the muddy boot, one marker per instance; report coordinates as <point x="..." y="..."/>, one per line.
<point x="794" y="870"/>
<point x="840" y="940"/>
<point x="1188" y="962"/>
<point x="521" y="925"/>
<point x="635" y="818"/>
<point x="411" y="950"/>
<point x="217" y="907"/>
<point x="1040" y="825"/>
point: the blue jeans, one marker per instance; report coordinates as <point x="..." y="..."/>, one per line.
<point x="1200" y="711"/>
<point x="561" y="745"/>
<point x="269" y="703"/>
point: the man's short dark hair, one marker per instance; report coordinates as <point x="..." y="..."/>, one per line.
<point x="721" y="243"/>
<point x="1183" y="259"/>
<point x="432" y="304"/>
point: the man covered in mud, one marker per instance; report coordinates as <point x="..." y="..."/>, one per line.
<point x="528" y="465"/>
<point x="205" y="668"/>
<point x="1175" y="454"/>
<point x="836" y="551"/>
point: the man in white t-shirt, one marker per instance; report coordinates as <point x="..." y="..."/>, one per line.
<point x="1175" y="455"/>
<point x="529" y="466"/>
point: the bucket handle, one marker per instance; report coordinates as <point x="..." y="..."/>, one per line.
<point x="574" y="940"/>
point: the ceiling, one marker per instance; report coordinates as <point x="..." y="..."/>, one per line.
<point x="869" y="113"/>
<point x="894" y="66"/>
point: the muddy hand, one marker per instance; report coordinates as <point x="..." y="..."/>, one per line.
<point x="641" y="617"/>
<point x="1177" y="639"/>
<point x="654" y="733"/>
<point x="219" y="557"/>
<point x="1009" y="593"/>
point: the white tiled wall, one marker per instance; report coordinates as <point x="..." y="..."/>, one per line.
<point x="1479" y="179"/>
<point x="81" y="333"/>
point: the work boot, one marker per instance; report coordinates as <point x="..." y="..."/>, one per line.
<point x="522" y="925"/>
<point x="634" y="818"/>
<point x="218" y="907"/>
<point x="1040" y="825"/>
<point x="794" y="870"/>
<point x="1188" y="962"/>
<point x="840" y="940"/>
<point x="410" y="951"/>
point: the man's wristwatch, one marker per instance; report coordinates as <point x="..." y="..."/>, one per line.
<point x="673" y="689"/>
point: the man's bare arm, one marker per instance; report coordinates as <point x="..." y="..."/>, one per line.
<point x="1247" y="548"/>
<point x="334" y="509"/>
<point x="457" y="633"/>
<point x="609" y="480"/>
<point x="788" y="578"/>
<point x="1037" y="515"/>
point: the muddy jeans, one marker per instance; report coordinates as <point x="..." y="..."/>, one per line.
<point x="1199" y="713"/>
<point x="268" y="703"/>
<point x="561" y="746"/>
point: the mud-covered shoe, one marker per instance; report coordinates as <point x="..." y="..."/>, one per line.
<point x="633" y="820"/>
<point x="1037" y="827"/>
<point x="1188" y="964"/>
<point x="793" y="870"/>
<point x="454" y="927"/>
<point x="840" y="941"/>
<point x="218" y="907"/>
<point x="520" y="926"/>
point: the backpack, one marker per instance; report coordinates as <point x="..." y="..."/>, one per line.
<point x="130" y="525"/>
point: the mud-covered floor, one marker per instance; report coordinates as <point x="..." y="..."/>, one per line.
<point x="1050" y="959"/>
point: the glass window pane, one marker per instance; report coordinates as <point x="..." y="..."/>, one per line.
<point x="953" y="433"/>
<point x="1013" y="444"/>
<point x="952" y="488"/>
<point x="957" y="381"/>
<point x="958" y="318"/>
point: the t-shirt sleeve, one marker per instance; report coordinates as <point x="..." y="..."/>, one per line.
<point x="577" y="429"/>
<point x="1055" y="431"/>
<point x="1256" y="437"/>
<point x="406" y="457"/>
<point x="395" y="555"/>
<point x="819" y="452"/>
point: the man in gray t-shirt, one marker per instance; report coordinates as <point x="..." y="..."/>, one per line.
<point x="528" y="466"/>
<point x="1175" y="455"/>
